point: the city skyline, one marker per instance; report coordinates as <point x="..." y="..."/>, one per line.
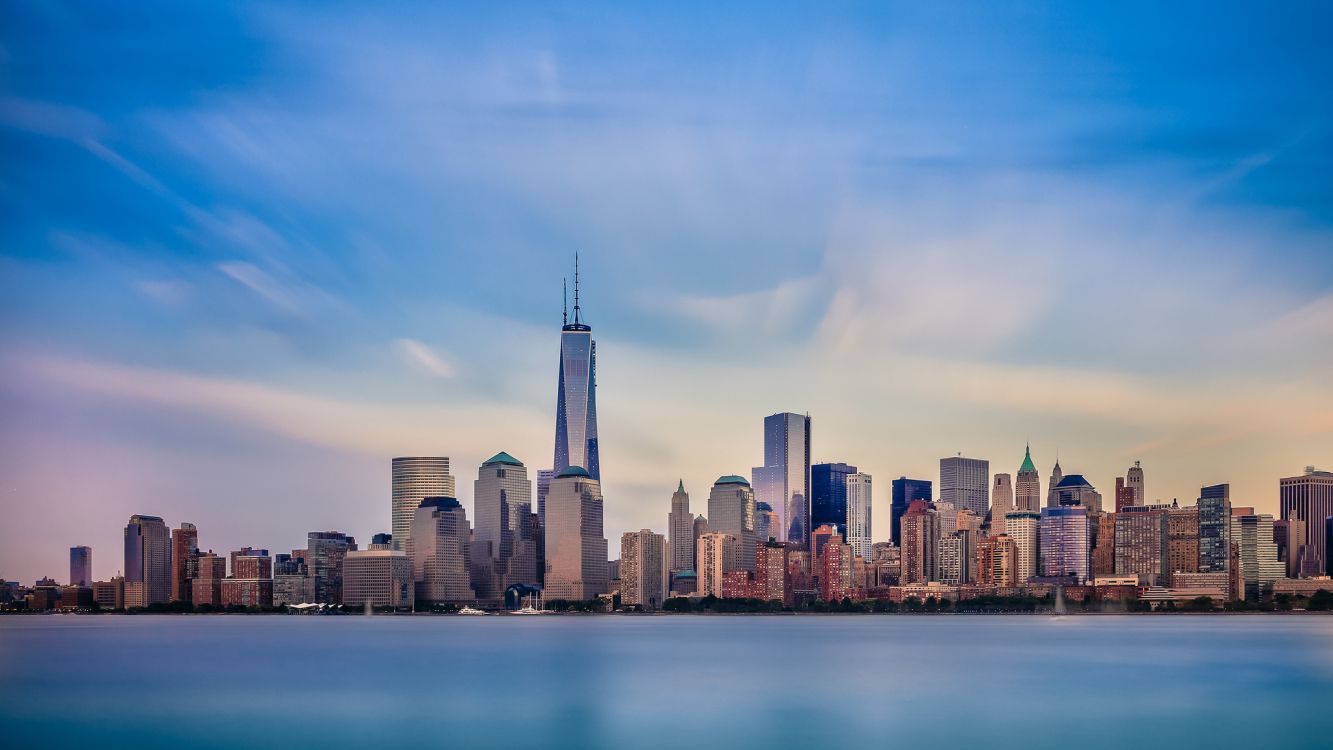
<point x="212" y="312"/>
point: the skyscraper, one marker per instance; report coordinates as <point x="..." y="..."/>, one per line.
<point x="1075" y="490"/>
<point x="717" y="555"/>
<point x="1182" y="547"/>
<point x="504" y="549"/>
<point x="643" y="569"/>
<point x="680" y="528"/>
<point x="731" y="511"/>
<point x="1024" y="528"/>
<point x="80" y="566"/>
<point x="1215" y="528"/>
<point x="920" y="541"/>
<point x="957" y="555"/>
<point x="575" y="547"/>
<point x="378" y="578"/>
<point x="1052" y="499"/>
<point x="1309" y="498"/>
<point x="828" y="495"/>
<point x="184" y="561"/>
<point x="1252" y="535"/>
<point x="1064" y="543"/>
<point x="1027" y="488"/>
<point x="784" y="480"/>
<point x="438" y="550"/>
<point x="1134" y="480"/>
<point x="1141" y="544"/>
<point x="147" y="562"/>
<point x="1124" y="495"/>
<point x="997" y="560"/>
<point x="325" y="552"/>
<point x="965" y="482"/>
<point x="766" y="522"/>
<point x="415" y="478"/>
<point x="859" y="494"/>
<point x="772" y="580"/>
<point x="905" y="492"/>
<point x="576" y="397"/>
<point x="1002" y="502"/>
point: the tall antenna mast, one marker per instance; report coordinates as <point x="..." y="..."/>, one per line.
<point x="576" y="288"/>
<point x="564" y="301"/>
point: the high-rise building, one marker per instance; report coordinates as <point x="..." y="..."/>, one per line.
<point x="575" y="546"/>
<point x="700" y="528"/>
<point x="772" y="579"/>
<point x="544" y="477"/>
<point x="1134" y="480"/>
<point x="997" y="561"/>
<point x="81" y="566"/>
<point x="921" y="534"/>
<point x="643" y="569"/>
<point x="1027" y="488"/>
<point x="438" y="550"/>
<point x="905" y="492"/>
<point x="1328" y="545"/>
<point x="1057" y="476"/>
<point x="1002" y="502"/>
<point x="828" y="495"/>
<point x="378" y="578"/>
<point x="784" y="480"/>
<point x="1215" y="528"/>
<point x="835" y="568"/>
<point x="1309" y="499"/>
<point x="965" y="482"/>
<point x="1024" y="528"/>
<point x="251" y="581"/>
<point x="1074" y="490"/>
<point x="147" y="562"/>
<point x="717" y="555"/>
<point x="576" y="397"/>
<point x="1141" y="544"/>
<point x="1182" y="547"/>
<point x="415" y="478"/>
<point x="206" y="588"/>
<point x="731" y="511"/>
<point x="680" y="529"/>
<point x="1256" y="553"/>
<point x="184" y="561"/>
<point x="1064" y="542"/>
<point x="766" y="523"/>
<point x="1103" y="550"/>
<point x="325" y="551"/>
<point x="292" y="582"/>
<point x="504" y="547"/>
<point x="859" y="495"/>
<point x="110" y="594"/>
<point x="957" y="556"/>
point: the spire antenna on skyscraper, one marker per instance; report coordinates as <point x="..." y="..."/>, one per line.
<point x="576" y="288"/>
<point x="564" y="302"/>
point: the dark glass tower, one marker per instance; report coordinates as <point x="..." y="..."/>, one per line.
<point x="828" y="495"/>
<point x="904" y="492"/>
<point x="576" y="400"/>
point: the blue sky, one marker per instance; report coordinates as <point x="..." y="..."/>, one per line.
<point x="249" y="252"/>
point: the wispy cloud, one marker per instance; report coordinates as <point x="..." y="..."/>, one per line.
<point x="265" y="286"/>
<point x="424" y="359"/>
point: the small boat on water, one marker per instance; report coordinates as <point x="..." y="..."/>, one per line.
<point x="530" y="607"/>
<point x="472" y="611"/>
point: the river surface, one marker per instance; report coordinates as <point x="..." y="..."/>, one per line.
<point x="681" y="682"/>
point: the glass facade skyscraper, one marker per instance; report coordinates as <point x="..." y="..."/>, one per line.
<point x="904" y="492"/>
<point x="1309" y="498"/>
<point x="415" y="478"/>
<point x="1215" y="528"/>
<point x="859" y="494"/>
<point x="1064" y="542"/>
<point x="965" y="482"/>
<point x="784" y="480"/>
<point x="731" y="511"/>
<point x="828" y="495"/>
<point x="504" y="551"/>
<point x="576" y="399"/>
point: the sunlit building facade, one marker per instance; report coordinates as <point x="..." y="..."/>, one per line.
<point x="439" y="551"/>
<point x="415" y="478"/>
<point x="575" y="547"/>
<point x="784" y="480"/>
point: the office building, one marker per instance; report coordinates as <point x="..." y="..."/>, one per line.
<point x="1103" y="549"/>
<point x="1075" y="490"/>
<point x="1134" y="480"/>
<point x="731" y="511"/>
<point x="81" y="566"/>
<point x="576" y="397"/>
<point x="1057" y="476"/>
<point x="1002" y="503"/>
<point x="965" y="482"/>
<point x="504" y="545"/>
<point x="378" y="578"/>
<point x="147" y="562"/>
<point x="680" y="529"/>
<point x="413" y="479"/>
<point x="325" y="551"/>
<point x="835" y="568"/>
<point x="251" y="581"/>
<point x="1027" y="489"/>
<point x="439" y="554"/>
<point x="772" y="580"/>
<point x="575" y="546"/>
<point x="718" y="554"/>
<point x="784" y="480"/>
<point x="828" y="495"/>
<point x="1309" y="499"/>
<point x="920" y="534"/>
<point x="1214" y="506"/>
<point x="1182" y="547"/>
<point x="766" y="523"/>
<point x="1024" y="528"/>
<point x="1256" y="553"/>
<point x="184" y="561"/>
<point x="1124" y="495"/>
<point x="857" y="526"/>
<point x="997" y="561"/>
<point x="1141" y="544"/>
<point x="1064" y="542"/>
<point x="643" y="569"/>
<point x="110" y="594"/>
<point x="957" y="557"/>
<point x="292" y="582"/>
<point x="905" y="492"/>
<point x="206" y="587"/>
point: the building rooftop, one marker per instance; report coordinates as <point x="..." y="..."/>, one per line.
<point x="503" y="458"/>
<point x="440" y="502"/>
<point x="732" y="479"/>
<point x="1027" y="461"/>
<point x="574" y="471"/>
<point x="1073" y="480"/>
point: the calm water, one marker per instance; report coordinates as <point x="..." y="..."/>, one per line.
<point x="659" y="682"/>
